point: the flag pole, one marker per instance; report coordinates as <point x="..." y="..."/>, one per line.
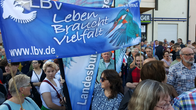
<point x="15" y="85"/>
<point x="140" y="56"/>
<point x="65" y="88"/>
<point x="114" y="60"/>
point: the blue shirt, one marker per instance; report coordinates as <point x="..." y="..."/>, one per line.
<point x="102" y="67"/>
<point x="27" y="105"/>
<point x="101" y="102"/>
<point x="181" y="78"/>
<point x="185" y="101"/>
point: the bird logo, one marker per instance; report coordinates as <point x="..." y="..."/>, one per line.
<point x="124" y="28"/>
<point x="15" y="10"/>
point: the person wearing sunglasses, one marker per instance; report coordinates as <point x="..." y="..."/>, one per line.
<point x="150" y="95"/>
<point x="108" y="93"/>
<point x="182" y="74"/>
<point x="23" y="85"/>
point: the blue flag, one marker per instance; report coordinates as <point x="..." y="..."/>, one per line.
<point x="81" y="72"/>
<point x="90" y="3"/>
<point x="37" y="29"/>
<point x="119" y="55"/>
<point x="154" y="49"/>
<point x="80" y="85"/>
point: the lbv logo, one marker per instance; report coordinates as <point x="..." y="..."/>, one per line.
<point x="15" y="10"/>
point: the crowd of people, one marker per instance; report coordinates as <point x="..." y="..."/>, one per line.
<point x="154" y="76"/>
<point x="157" y="76"/>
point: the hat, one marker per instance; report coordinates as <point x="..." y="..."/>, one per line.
<point x="178" y="53"/>
<point x="189" y="41"/>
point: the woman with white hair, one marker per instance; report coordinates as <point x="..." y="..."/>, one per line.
<point x="150" y="95"/>
<point x="23" y="85"/>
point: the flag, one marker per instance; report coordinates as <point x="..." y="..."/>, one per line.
<point x="48" y="30"/>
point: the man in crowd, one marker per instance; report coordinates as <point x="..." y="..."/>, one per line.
<point x="146" y="43"/>
<point x="165" y="41"/>
<point x="188" y="42"/>
<point x="171" y="43"/>
<point x="156" y="43"/>
<point x="185" y="101"/>
<point x="105" y="63"/>
<point x="142" y="44"/>
<point x="182" y="74"/>
<point x="159" y="50"/>
<point x="149" y="53"/>
<point x="178" y="59"/>
<point x="130" y="62"/>
<point x="3" y="53"/>
<point x="133" y="76"/>
<point x="151" y="44"/>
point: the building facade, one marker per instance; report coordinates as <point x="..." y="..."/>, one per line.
<point x="170" y="21"/>
<point x="192" y="20"/>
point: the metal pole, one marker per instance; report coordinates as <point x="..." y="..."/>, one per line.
<point x="65" y="89"/>
<point x="153" y="25"/>
<point x="114" y="60"/>
<point x="188" y="6"/>
<point x="114" y="50"/>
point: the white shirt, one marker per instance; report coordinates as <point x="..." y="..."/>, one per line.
<point x="58" y="76"/>
<point x="106" y="64"/>
<point x="45" y="87"/>
<point x="34" y="78"/>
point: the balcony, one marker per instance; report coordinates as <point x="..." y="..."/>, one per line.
<point x="147" y="5"/>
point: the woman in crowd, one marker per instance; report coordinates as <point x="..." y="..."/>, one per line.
<point x="108" y="94"/>
<point x="167" y="60"/>
<point x="155" y="70"/>
<point x="37" y="75"/>
<point x="50" y="89"/>
<point x="150" y="95"/>
<point x="23" y="85"/>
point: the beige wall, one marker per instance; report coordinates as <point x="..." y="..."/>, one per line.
<point x="147" y="3"/>
<point x="169" y="9"/>
<point x="192" y="20"/>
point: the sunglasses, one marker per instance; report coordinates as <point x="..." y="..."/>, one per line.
<point x="102" y="79"/>
<point x="189" y="54"/>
